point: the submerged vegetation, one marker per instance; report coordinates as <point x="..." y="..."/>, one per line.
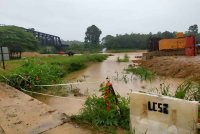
<point x="125" y="59"/>
<point x="187" y="90"/>
<point x="142" y="72"/>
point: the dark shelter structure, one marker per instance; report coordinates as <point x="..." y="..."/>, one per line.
<point x="153" y="43"/>
<point x="15" y="52"/>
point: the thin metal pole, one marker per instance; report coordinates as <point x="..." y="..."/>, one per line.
<point x="2" y="57"/>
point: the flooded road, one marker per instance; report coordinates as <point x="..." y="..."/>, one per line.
<point x="88" y="82"/>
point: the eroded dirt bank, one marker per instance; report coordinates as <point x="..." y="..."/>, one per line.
<point x="22" y="114"/>
<point x="175" y="66"/>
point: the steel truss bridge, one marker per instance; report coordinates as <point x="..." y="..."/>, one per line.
<point x="47" y="39"/>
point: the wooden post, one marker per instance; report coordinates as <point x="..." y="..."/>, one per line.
<point x="2" y="57"/>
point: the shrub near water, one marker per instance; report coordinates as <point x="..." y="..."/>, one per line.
<point x="95" y="114"/>
<point x="50" y="70"/>
<point x="38" y="73"/>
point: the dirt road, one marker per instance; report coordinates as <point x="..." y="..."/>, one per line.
<point x="175" y="66"/>
<point x="22" y="114"/>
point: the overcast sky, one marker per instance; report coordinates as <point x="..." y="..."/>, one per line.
<point x="70" y="18"/>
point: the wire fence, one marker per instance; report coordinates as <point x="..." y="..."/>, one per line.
<point x="83" y="88"/>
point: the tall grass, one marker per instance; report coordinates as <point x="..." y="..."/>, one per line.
<point x="164" y="90"/>
<point x="142" y="72"/>
<point x="125" y="58"/>
<point x="187" y="90"/>
<point x="183" y="89"/>
<point x="196" y="93"/>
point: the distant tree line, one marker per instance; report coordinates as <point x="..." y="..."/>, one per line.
<point x="126" y="41"/>
<point x="139" y="41"/>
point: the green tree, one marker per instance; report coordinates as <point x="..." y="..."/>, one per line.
<point x="193" y="29"/>
<point x="92" y="35"/>
<point x="198" y="38"/>
<point x="13" y="35"/>
<point x="159" y="34"/>
<point x="167" y="34"/>
<point x="127" y="41"/>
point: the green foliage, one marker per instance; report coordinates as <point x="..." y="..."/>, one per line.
<point x="37" y="73"/>
<point x="183" y="89"/>
<point x="193" y="29"/>
<point x="125" y="59"/>
<point x="186" y="90"/>
<point x="166" y="34"/>
<point x="132" y="41"/>
<point x="75" y="67"/>
<point x="164" y="90"/>
<point x="104" y="118"/>
<point x="12" y="35"/>
<point x="196" y="93"/>
<point x="95" y="112"/>
<point x="85" y="48"/>
<point x="47" y="50"/>
<point x="127" y="41"/>
<point x="142" y="72"/>
<point x="198" y="38"/>
<point x="92" y="48"/>
<point x="50" y="70"/>
<point x="77" y="48"/>
<point x="92" y="34"/>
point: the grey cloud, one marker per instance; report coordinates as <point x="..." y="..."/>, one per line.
<point x="70" y="18"/>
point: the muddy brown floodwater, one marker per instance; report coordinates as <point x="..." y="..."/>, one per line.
<point x="95" y="74"/>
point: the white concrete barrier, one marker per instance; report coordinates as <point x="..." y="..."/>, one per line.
<point x="153" y="114"/>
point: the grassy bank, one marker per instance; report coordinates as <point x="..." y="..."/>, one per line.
<point x="46" y="70"/>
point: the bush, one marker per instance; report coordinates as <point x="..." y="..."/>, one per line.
<point x="95" y="112"/>
<point x="48" y="70"/>
<point x="103" y="117"/>
<point x="37" y="73"/>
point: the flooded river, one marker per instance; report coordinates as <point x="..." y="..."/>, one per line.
<point x="89" y="80"/>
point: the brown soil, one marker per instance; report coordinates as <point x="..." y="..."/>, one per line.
<point x="31" y="54"/>
<point x="22" y="114"/>
<point x="36" y="54"/>
<point x="175" y="66"/>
